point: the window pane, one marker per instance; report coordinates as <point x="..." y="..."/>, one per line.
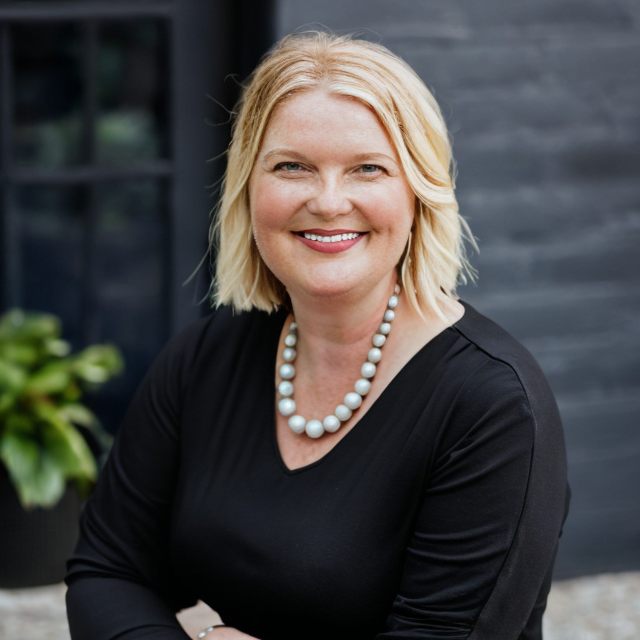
<point x="51" y="231"/>
<point x="47" y="70"/>
<point x="132" y="91"/>
<point x="132" y="267"/>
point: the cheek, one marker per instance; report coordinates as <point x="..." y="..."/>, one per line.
<point x="272" y="205"/>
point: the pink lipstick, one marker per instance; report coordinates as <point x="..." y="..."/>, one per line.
<point x="329" y="240"/>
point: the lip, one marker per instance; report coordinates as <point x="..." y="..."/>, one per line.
<point x="329" y="247"/>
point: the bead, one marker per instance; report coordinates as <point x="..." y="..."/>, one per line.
<point x="343" y="413"/>
<point x="314" y="428"/>
<point x="368" y="370"/>
<point x="291" y="339"/>
<point x="286" y="406"/>
<point x="297" y="423"/>
<point x="287" y="372"/>
<point x="353" y="400"/>
<point x="285" y="388"/>
<point x="378" y="340"/>
<point x="362" y="386"/>
<point x="331" y="424"/>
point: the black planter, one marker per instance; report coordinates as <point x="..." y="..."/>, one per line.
<point x="35" y="544"/>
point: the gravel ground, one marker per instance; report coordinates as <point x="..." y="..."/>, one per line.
<point x="604" y="607"/>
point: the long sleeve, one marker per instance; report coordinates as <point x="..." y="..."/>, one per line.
<point x="121" y="581"/>
<point x="479" y="563"/>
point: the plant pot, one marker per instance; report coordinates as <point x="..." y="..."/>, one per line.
<point x="35" y="544"/>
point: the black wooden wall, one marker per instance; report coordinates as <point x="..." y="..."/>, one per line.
<point x="543" y="100"/>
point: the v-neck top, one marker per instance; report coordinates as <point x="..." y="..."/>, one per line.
<point x="436" y="516"/>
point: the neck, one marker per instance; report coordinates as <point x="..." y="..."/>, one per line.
<point x="342" y="320"/>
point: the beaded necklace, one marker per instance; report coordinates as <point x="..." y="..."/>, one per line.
<point x="287" y="405"/>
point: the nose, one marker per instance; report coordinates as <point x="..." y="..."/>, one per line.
<point x="330" y="199"/>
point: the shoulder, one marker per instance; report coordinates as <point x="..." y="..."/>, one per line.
<point x="218" y="337"/>
<point x="219" y="328"/>
<point x="505" y="364"/>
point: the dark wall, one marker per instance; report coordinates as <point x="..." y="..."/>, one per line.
<point x="543" y="100"/>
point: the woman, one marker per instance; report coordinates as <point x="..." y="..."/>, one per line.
<point x="413" y="484"/>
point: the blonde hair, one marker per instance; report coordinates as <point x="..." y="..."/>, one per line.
<point x="435" y="259"/>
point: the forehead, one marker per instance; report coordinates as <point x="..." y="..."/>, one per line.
<point x="322" y="117"/>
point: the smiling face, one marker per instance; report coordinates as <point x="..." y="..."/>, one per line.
<point x="330" y="207"/>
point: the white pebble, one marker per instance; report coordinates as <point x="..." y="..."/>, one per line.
<point x="389" y="315"/>
<point x="375" y="355"/>
<point x="393" y="302"/>
<point x="289" y="354"/>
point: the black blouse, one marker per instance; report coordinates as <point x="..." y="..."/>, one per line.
<point x="436" y="516"/>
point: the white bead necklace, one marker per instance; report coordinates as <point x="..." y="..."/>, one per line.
<point x="353" y="399"/>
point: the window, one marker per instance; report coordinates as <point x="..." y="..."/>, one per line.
<point x="103" y="164"/>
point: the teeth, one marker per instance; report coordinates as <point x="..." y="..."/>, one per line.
<point x="336" y="238"/>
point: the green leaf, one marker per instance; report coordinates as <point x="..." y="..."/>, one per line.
<point x="21" y="352"/>
<point x="12" y="377"/>
<point x="52" y="378"/>
<point x="69" y="451"/>
<point x="98" y="363"/>
<point x="20" y="422"/>
<point x="72" y="393"/>
<point x="34" y="473"/>
<point x="11" y="323"/>
<point x="16" y="324"/>
<point x="78" y="414"/>
<point x="59" y="348"/>
<point x="12" y="381"/>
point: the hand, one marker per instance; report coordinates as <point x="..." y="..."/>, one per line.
<point x="227" y="633"/>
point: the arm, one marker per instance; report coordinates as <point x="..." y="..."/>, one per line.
<point x="486" y="534"/>
<point x="121" y="583"/>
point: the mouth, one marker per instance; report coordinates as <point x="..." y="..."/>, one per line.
<point x="329" y="236"/>
<point x="330" y="240"/>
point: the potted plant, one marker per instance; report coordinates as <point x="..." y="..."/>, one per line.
<point x="47" y="465"/>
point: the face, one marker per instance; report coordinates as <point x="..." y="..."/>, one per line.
<point x="330" y="207"/>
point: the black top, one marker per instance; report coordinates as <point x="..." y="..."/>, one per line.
<point x="436" y="516"/>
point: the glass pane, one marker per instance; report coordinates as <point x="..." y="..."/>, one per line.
<point x="132" y="267"/>
<point x="132" y="91"/>
<point x="51" y="231"/>
<point x="47" y="117"/>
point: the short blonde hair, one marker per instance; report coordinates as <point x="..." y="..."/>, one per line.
<point x="435" y="260"/>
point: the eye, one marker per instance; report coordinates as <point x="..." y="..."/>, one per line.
<point x="370" y="168"/>
<point x="288" y="166"/>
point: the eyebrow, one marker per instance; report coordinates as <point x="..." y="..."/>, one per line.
<point x="282" y="152"/>
<point x="371" y="156"/>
